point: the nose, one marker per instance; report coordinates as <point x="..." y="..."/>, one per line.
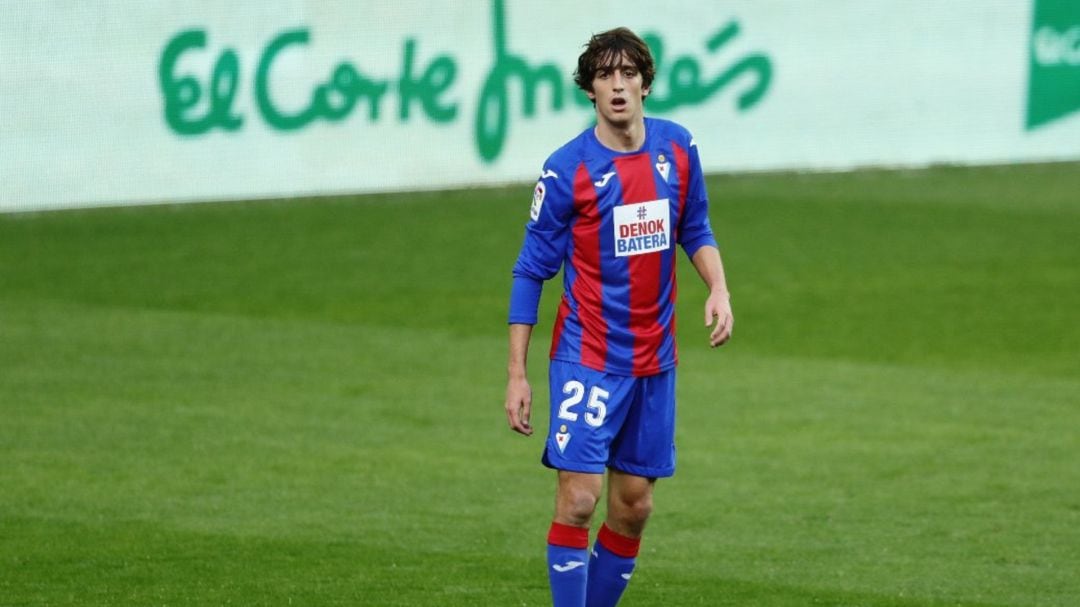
<point x="617" y="81"/>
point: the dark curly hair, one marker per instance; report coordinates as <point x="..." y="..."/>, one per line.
<point x="604" y="51"/>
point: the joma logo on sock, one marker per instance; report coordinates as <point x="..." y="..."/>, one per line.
<point x="570" y="566"/>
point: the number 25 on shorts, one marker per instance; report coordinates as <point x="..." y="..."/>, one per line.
<point x="596" y="408"/>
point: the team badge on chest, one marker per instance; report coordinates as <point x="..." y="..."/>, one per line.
<point x="641" y="228"/>
<point x="663" y="166"/>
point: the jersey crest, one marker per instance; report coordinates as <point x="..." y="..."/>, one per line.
<point x="663" y="166"/>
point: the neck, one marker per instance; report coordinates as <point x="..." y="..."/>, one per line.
<point x="627" y="137"/>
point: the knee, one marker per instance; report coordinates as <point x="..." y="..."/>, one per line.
<point x="575" y="506"/>
<point x="630" y="512"/>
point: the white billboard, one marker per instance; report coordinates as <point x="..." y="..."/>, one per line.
<point x="117" y="102"/>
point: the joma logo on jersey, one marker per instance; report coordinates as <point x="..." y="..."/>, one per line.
<point x="642" y="228"/>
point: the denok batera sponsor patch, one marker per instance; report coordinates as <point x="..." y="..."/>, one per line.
<point x="644" y="227"/>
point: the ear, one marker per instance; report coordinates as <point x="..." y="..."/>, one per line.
<point x="645" y="92"/>
<point x="591" y="95"/>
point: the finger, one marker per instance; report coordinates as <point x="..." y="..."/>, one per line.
<point x="718" y="327"/>
<point x="518" y="422"/>
<point x="526" y="414"/>
<point x="722" y="332"/>
<point x="511" y="416"/>
<point x="710" y="316"/>
<point x="716" y="335"/>
<point x="524" y="428"/>
<point x="720" y="339"/>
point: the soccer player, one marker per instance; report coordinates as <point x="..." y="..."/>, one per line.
<point x="609" y="208"/>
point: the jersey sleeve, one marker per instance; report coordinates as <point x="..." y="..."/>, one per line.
<point x="544" y="248"/>
<point x="694" y="229"/>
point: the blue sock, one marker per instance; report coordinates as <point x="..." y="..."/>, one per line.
<point x="568" y="564"/>
<point x="610" y="567"/>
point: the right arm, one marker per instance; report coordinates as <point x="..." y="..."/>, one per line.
<point x="518" y="391"/>
<point x="540" y="259"/>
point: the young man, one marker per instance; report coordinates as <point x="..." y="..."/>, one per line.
<point x="610" y="206"/>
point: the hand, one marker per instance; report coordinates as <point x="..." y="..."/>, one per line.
<point x="718" y="311"/>
<point x="519" y="405"/>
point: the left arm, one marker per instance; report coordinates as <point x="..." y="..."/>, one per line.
<point x="707" y="262"/>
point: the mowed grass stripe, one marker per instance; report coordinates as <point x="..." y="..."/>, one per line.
<point x="253" y="403"/>
<point x="791" y="467"/>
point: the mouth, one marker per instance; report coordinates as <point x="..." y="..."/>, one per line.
<point x="618" y="103"/>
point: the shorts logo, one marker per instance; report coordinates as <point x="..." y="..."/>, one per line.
<point x="538" y="200"/>
<point x="562" y="437"/>
<point x="642" y="228"/>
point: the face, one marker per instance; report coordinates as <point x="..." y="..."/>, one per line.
<point x="618" y="93"/>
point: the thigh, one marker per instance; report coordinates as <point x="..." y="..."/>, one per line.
<point x="645" y="445"/>
<point x="588" y="409"/>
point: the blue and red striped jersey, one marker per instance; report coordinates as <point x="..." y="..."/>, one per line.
<point x="611" y="221"/>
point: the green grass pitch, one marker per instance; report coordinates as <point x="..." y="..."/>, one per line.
<point x="300" y="402"/>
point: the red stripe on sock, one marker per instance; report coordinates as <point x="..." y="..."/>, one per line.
<point x="626" y="547"/>
<point x="567" y="536"/>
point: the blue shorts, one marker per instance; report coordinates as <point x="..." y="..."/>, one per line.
<point x="599" y="421"/>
